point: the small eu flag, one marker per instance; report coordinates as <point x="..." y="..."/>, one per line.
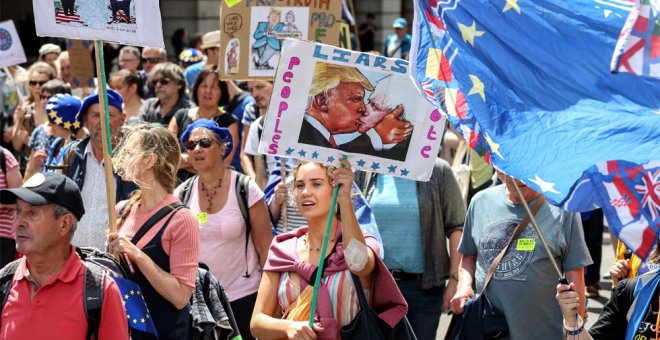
<point x="137" y="312"/>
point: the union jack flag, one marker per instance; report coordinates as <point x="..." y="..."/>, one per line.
<point x="638" y="48"/>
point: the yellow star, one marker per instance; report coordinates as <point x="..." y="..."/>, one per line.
<point x="53" y="114"/>
<point x="58" y="120"/>
<point x="126" y="296"/>
<point x="477" y="87"/>
<point x="132" y="292"/>
<point x="511" y="4"/>
<point x="146" y="316"/>
<point x="67" y="125"/>
<point x="128" y="316"/>
<point x="138" y="292"/>
<point x="76" y="125"/>
<point x="494" y="147"/>
<point x="469" y="32"/>
<point x="142" y="320"/>
<point x="134" y="320"/>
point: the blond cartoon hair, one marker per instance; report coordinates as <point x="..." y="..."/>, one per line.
<point x="328" y="76"/>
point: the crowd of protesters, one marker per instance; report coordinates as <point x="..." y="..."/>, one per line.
<point x="187" y="145"/>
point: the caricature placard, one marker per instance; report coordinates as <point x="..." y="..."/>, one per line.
<point x="329" y="102"/>
<point x="11" y="50"/>
<point x="122" y="21"/>
<point x="252" y="32"/>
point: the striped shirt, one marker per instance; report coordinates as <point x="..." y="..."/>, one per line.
<point x="7" y="215"/>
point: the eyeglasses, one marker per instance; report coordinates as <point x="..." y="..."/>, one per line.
<point x="44" y="97"/>
<point x="37" y="82"/>
<point x="204" y="143"/>
<point x="162" y="81"/>
<point x="151" y="60"/>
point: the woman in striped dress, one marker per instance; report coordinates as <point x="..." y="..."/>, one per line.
<point x="294" y="256"/>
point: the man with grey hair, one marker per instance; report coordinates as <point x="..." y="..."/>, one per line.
<point x="151" y="57"/>
<point x="43" y="297"/>
<point x="129" y="58"/>
<point x="167" y="79"/>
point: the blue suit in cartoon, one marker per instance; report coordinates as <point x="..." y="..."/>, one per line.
<point x="266" y="45"/>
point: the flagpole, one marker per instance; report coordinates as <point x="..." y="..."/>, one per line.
<point x="283" y="214"/>
<point x="107" y="142"/>
<point x="326" y="237"/>
<point x="532" y="219"/>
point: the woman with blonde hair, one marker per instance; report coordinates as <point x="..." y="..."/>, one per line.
<point x="32" y="112"/>
<point x="164" y="254"/>
<point x="289" y="273"/>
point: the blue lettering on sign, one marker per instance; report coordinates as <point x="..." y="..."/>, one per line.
<point x="324" y="52"/>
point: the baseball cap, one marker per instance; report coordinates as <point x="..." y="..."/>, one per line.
<point x="400" y="23"/>
<point x="211" y="39"/>
<point x="48" y="188"/>
<point x="114" y="99"/>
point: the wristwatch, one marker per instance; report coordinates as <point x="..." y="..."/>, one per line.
<point x="453" y="276"/>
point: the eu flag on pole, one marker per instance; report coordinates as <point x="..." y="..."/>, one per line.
<point x="137" y="312"/>
<point x="528" y="84"/>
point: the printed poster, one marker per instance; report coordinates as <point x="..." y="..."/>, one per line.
<point x="129" y="22"/>
<point x="11" y="49"/>
<point x="329" y="102"/>
<point x="253" y="31"/>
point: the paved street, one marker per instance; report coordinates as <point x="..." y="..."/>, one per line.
<point x="594" y="305"/>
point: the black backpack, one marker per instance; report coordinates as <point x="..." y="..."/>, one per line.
<point x="97" y="263"/>
<point x="242" y="182"/>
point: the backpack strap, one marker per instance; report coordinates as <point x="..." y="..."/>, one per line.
<point x="93" y="297"/>
<point x="159" y="215"/>
<point x="242" y="182"/>
<point x="6" y="279"/>
<point x="3" y="160"/>
<point x="68" y="156"/>
<point x="186" y="189"/>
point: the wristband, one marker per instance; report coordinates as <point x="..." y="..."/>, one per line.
<point x="577" y="329"/>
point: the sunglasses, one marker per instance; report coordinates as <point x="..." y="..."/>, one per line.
<point x="204" y="143"/>
<point x="162" y="81"/>
<point x="37" y="82"/>
<point x="151" y="60"/>
<point x="44" y="97"/>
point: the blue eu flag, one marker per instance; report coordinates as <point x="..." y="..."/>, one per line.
<point x="137" y="312"/>
<point x="529" y="86"/>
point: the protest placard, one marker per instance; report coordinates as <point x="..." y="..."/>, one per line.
<point x="329" y="102"/>
<point x="11" y="50"/>
<point x="120" y="21"/>
<point x="252" y="32"/>
<point x="82" y="66"/>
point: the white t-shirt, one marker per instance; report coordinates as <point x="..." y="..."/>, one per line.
<point x="252" y="146"/>
<point x="222" y="241"/>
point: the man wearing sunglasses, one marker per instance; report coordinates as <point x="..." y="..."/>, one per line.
<point x="167" y="79"/>
<point x="151" y="57"/>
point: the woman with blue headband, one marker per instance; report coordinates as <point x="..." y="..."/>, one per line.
<point x="215" y="195"/>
